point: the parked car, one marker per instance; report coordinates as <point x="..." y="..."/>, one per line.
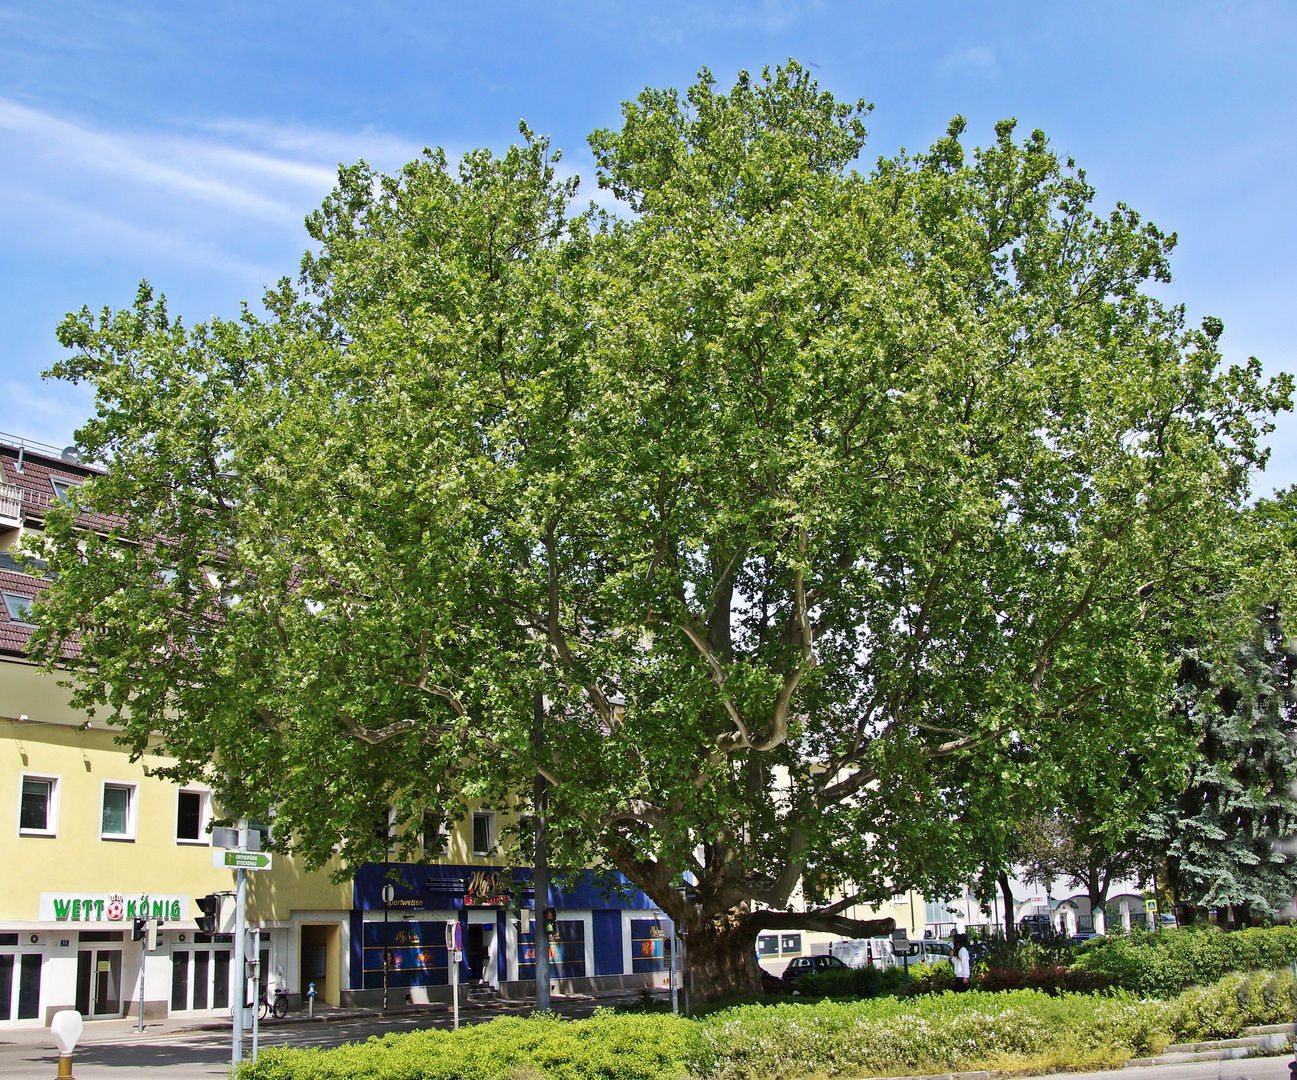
<point x="802" y="966"/>
<point x="933" y="952"/>
<point x="1037" y="927"/>
<point x="1082" y="937"/>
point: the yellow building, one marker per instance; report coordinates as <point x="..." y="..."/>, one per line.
<point x="90" y="840"/>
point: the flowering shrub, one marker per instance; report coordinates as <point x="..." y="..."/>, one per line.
<point x="1165" y="962"/>
<point x="885" y="1036"/>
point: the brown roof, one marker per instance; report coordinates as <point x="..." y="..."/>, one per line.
<point x="39" y="468"/>
<point x="14" y="635"/>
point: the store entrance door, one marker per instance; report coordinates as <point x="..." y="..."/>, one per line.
<point x="99" y="982"/>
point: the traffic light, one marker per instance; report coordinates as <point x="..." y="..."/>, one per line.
<point x="138" y="929"/>
<point x="151" y="935"/>
<point x="210" y="906"/>
<point x="551" y="922"/>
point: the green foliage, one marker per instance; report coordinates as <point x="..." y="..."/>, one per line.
<point x="1237" y="1001"/>
<point x="884" y="1036"/>
<point x="828" y="509"/>
<point x="608" y="1046"/>
<point x="1164" y="963"/>
<point x="1221" y="836"/>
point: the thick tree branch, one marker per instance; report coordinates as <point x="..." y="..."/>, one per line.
<point x="819" y="920"/>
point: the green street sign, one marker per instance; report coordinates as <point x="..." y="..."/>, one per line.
<point x="241" y="860"/>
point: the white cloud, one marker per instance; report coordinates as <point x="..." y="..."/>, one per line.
<point x="218" y="187"/>
<point x="190" y="170"/>
<point x="49" y="416"/>
<point x="978" y="61"/>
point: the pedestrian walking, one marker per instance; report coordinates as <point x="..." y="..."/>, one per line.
<point x="961" y="961"/>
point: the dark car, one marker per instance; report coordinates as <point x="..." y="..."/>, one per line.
<point x="809" y="965"/>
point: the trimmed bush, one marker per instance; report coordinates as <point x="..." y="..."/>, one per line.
<point x="608" y="1046"/>
<point x="1165" y="962"/>
<point x="1021" y="1030"/>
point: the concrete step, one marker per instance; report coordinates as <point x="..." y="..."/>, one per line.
<point x="1215" y="1044"/>
<point x="1263" y="1045"/>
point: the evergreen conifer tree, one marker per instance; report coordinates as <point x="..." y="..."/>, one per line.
<point x="1225" y="833"/>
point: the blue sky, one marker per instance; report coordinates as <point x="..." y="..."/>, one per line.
<point x="184" y="142"/>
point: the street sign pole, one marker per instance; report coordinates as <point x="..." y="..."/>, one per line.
<point x="389" y="894"/>
<point x="540" y="872"/>
<point x="454" y="954"/>
<point x="144" y="955"/>
<point x="256" y="992"/>
<point x="240" y="958"/>
<point x="674" y="970"/>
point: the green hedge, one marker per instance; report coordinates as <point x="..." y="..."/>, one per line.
<point x="1163" y="963"/>
<point x="608" y="1046"/>
<point x="1020" y="1029"/>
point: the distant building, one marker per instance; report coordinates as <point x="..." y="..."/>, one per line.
<point x="89" y="840"/>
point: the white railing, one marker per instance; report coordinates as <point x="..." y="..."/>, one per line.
<point x="11" y="506"/>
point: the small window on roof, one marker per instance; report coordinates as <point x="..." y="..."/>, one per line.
<point x="62" y="487"/>
<point x="19" y="608"/>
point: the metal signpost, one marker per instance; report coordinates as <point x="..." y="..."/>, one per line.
<point x="243" y="858"/>
<point x="455" y="953"/>
<point x="254" y="946"/>
<point x="389" y="894"/>
<point x="904" y="948"/>
<point x="240" y="958"/>
<point x="674" y="970"/>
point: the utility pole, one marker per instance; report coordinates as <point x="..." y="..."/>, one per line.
<point x="540" y="872"/>
<point x="240" y="955"/>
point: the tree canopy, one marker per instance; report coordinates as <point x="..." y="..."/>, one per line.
<point x="837" y="514"/>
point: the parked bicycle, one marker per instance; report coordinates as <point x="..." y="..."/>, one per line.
<point x="279" y="1007"/>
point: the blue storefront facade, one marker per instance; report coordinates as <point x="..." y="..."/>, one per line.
<point x="609" y="933"/>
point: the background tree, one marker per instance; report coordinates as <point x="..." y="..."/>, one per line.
<point x="818" y="505"/>
<point x="1226" y="837"/>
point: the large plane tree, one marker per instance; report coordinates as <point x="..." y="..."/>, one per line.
<point x="834" y="518"/>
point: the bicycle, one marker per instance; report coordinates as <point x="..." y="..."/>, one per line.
<point x="265" y="1008"/>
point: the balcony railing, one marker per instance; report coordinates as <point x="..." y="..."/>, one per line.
<point x="11" y="506"/>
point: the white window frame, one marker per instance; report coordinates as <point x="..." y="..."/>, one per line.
<point x="51" y="808"/>
<point x="492" y="837"/>
<point x="132" y="810"/>
<point x="6" y="595"/>
<point x="57" y="482"/>
<point x="204" y="838"/>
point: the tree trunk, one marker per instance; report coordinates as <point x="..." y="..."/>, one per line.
<point x="1007" y="894"/>
<point x="721" y="958"/>
<point x="1097" y="894"/>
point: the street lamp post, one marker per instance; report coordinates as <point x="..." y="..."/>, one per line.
<point x="389" y="894"/>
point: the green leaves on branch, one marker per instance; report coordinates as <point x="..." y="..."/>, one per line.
<point x="827" y="509"/>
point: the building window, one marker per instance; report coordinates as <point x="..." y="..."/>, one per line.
<point x="483" y="833"/>
<point x="383" y="831"/>
<point x="768" y="945"/>
<point x="434" y="835"/>
<point x="19" y="608"/>
<point x="191" y="817"/>
<point x="38" y="812"/>
<point x="117" y="812"/>
<point x="791" y="944"/>
<point x="61" y="488"/>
